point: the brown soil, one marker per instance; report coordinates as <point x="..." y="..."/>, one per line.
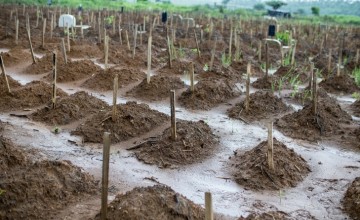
<point x="177" y="67"/>
<point x="104" y="80"/>
<point x="195" y="142"/>
<point x="31" y="95"/>
<point x="279" y="215"/>
<point x="69" y="109"/>
<point x="12" y="83"/>
<point x="262" y="105"/>
<point x="305" y="125"/>
<point x="340" y="84"/>
<point x="158" y="88"/>
<point x="38" y="189"/>
<point x="74" y="70"/>
<point x="209" y="93"/>
<point x="132" y="119"/>
<point x="251" y="170"/>
<point x="289" y="72"/>
<point x="355" y="107"/>
<point x="84" y="51"/>
<point x="153" y="202"/>
<point x="264" y="82"/>
<point x="15" y="56"/>
<point x="44" y="65"/>
<point x="351" y="201"/>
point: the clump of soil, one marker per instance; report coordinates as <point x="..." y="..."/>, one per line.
<point x="74" y="70"/>
<point x="355" y="107"/>
<point x="12" y="83"/>
<point x="304" y="124"/>
<point x="337" y="84"/>
<point x="153" y="202"/>
<point x="44" y="65"/>
<point x="251" y="169"/>
<point x="279" y="215"/>
<point x="264" y="82"/>
<point x="15" y="56"/>
<point x="37" y="190"/>
<point x="104" y="80"/>
<point x="194" y="142"/>
<point x="158" y="88"/>
<point x="262" y="105"/>
<point x="177" y="67"/>
<point x="85" y="51"/>
<point x="209" y="93"/>
<point x="69" y="109"/>
<point x="351" y="201"/>
<point x="131" y="120"/>
<point x="33" y="94"/>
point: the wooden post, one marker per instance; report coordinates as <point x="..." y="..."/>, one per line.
<point x="197" y="44"/>
<point x="99" y="28"/>
<point x="4" y="72"/>
<point x="169" y="52"/>
<point x="116" y="86"/>
<point x="209" y="215"/>
<point x="120" y="37"/>
<point x="52" y="25"/>
<point x="270" y="154"/>
<point x="173" y="118"/>
<point x="192" y="88"/>
<point x="314" y="89"/>
<point x="16" y="31"/>
<point x="149" y="56"/>
<point x="259" y="51"/>
<point x="213" y="52"/>
<point x="357" y="56"/>
<point x="247" y="100"/>
<point x="106" y="50"/>
<point x="29" y="38"/>
<point x="23" y="9"/>
<point x="105" y="175"/>
<point x="37" y="16"/>
<point x="293" y="54"/>
<point x="54" y="81"/>
<point x="230" y="42"/>
<point x="63" y="50"/>
<point x="81" y="30"/>
<point x="127" y="39"/>
<point x="266" y="59"/>
<point x="338" y="67"/>
<point x="135" y="37"/>
<point x="68" y="37"/>
<point x="43" y="33"/>
<point x="329" y="62"/>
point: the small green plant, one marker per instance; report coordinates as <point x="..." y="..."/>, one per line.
<point x="181" y="52"/>
<point x="283" y="37"/>
<point x="56" y="130"/>
<point x="194" y="50"/>
<point x="206" y="67"/>
<point x="295" y="82"/>
<point x="225" y="60"/>
<point x="356" y="95"/>
<point x="306" y="95"/>
<point x="109" y="20"/>
<point x="280" y="84"/>
<point x="2" y="191"/>
<point x="356" y="74"/>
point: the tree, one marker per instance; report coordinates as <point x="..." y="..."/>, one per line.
<point x="275" y="4"/>
<point x="315" y="11"/>
<point x="259" y="6"/>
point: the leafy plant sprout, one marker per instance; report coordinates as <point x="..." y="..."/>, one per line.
<point x="225" y="60"/>
<point x="356" y="75"/>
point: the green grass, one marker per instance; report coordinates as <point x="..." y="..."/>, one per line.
<point x="356" y="75"/>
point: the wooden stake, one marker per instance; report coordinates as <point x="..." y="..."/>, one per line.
<point x="259" y="51"/>
<point x="16" y="31"/>
<point x="116" y="87"/>
<point x="43" y="33"/>
<point x="135" y="37"/>
<point x="338" y="67"/>
<point x="99" y="28"/>
<point x="230" y="42"/>
<point x="37" y="16"/>
<point x="29" y="38"/>
<point x="247" y="101"/>
<point x="106" y="51"/>
<point x="192" y="87"/>
<point x="120" y="37"/>
<point x="173" y="118"/>
<point x="127" y="39"/>
<point x="63" y="49"/>
<point x="52" y="25"/>
<point x="68" y="37"/>
<point x="357" y="56"/>
<point x="329" y="62"/>
<point x="213" y="52"/>
<point x="209" y="215"/>
<point x="169" y="52"/>
<point x="266" y="59"/>
<point x="293" y="54"/>
<point x="4" y="72"/>
<point x="149" y="57"/>
<point x="270" y="154"/>
<point x="197" y="44"/>
<point x="54" y="81"/>
<point x="314" y="93"/>
<point x="105" y="175"/>
<point x="81" y="30"/>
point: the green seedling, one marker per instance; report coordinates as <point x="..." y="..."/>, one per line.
<point x="356" y="75"/>
<point x="2" y="191"/>
<point x="225" y="60"/>
<point x="356" y="95"/>
<point x="206" y="67"/>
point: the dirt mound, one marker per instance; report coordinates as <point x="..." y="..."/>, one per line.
<point x="12" y="83"/>
<point x="264" y="82"/>
<point x="355" y="107"/>
<point x="33" y="94"/>
<point x="262" y="105"/>
<point x="289" y="73"/>
<point x="153" y="202"/>
<point x="208" y="93"/>
<point x="351" y="201"/>
<point x="279" y="215"/>
<point x="305" y="125"/>
<point x="85" y="51"/>
<point x="74" y="70"/>
<point x="44" y="65"/>
<point x="158" y="88"/>
<point x="336" y="84"/>
<point x="69" y="109"/>
<point x="194" y="142"/>
<point x="15" y="56"/>
<point x="37" y="190"/>
<point x="251" y="170"/>
<point x="132" y="120"/>
<point x="177" y="67"/>
<point x="104" y="80"/>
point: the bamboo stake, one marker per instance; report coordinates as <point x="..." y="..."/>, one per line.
<point x="209" y="215"/>
<point x="4" y="72"/>
<point x="192" y="87"/>
<point x="293" y="54"/>
<point x="357" y="56"/>
<point x="116" y="87"/>
<point x="247" y="101"/>
<point x="259" y="51"/>
<point x="329" y="62"/>
<point x="149" y="57"/>
<point x="266" y="59"/>
<point x="173" y="117"/>
<point x="29" y="38"/>
<point x="81" y="30"/>
<point x="314" y="93"/>
<point x="127" y="39"/>
<point x="120" y="37"/>
<point x="197" y="44"/>
<point x="230" y="42"/>
<point x="37" y="16"/>
<point x="63" y="50"/>
<point x="169" y="52"/>
<point x="105" y="175"/>
<point x="43" y="33"/>
<point x="338" y="67"/>
<point x="52" y="25"/>
<point x="68" y="37"/>
<point x="270" y="154"/>
<point x="213" y="52"/>
<point x="54" y="81"/>
<point x="99" y="28"/>
<point x="135" y="37"/>
<point x="16" y="31"/>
